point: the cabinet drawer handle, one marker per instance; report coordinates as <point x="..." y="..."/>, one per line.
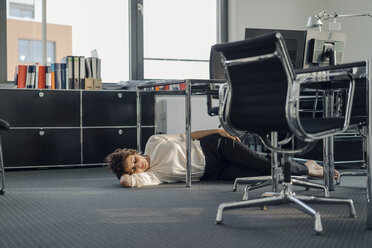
<point x="41" y="132"/>
<point x="120" y="95"/>
<point x="120" y="132"/>
<point x="41" y="94"/>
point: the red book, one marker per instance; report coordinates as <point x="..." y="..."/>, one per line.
<point x="22" y="73"/>
<point x="41" y="77"/>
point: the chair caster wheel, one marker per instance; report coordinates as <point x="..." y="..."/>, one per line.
<point x="264" y="208"/>
<point x="219" y="222"/>
<point x="2" y="192"/>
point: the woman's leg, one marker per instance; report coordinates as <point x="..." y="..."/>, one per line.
<point x="242" y="161"/>
<point x="227" y="160"/>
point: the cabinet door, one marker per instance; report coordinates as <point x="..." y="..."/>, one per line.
<point x="35" y="147"/>
<point x="148" y="109"/>
<point x="99" y="142"/>
<point x="115" y="108"/>
<point x="344" y="150"/>
<point x="40" y="108"/>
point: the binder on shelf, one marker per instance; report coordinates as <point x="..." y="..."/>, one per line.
<point x="94" y="67"/>
<point x="63" y="76"/>
<point x="21" y="76"/>
<point x="88" y="68"/>
<point x="76" y="72"/>
<point x="81" y="72"/>
<point x="57" y="75"/>
<point x="98" y="68"/>
<point x="69" y="61"/>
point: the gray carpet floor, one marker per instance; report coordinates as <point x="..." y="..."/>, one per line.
<point x="86" y="207"/>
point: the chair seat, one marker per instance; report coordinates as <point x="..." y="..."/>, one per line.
<point x="315" y="125"/>
<point x="4" y="125"/>
<point x="358" y="120"/>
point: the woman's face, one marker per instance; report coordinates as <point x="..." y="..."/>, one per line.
<point x="136" y="164"/>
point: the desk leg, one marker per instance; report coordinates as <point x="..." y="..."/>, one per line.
<point x="274" y="163"/>
<point x="139" y="128"/>
<point x="328" y="146"/>
<point x="369" y="146"/>
<point x="188" y="132"/>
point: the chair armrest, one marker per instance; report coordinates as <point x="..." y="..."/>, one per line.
<point x="293" y="107"/>
<point x="4" y="125"/>
<point x="223" y="114"/>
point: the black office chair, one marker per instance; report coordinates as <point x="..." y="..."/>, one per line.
<point x="215" y="72"/>
<point x="359" y="121"/>
<point x="263" y="98"/>
<point x="3" y="126"/>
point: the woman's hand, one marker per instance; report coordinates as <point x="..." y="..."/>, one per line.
<point x="223" y="133"/>
<point x="205" y="133"/>
<point x="126" y="181"/>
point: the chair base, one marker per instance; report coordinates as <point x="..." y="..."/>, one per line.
<point x="267" y="182"/>
<point x="350" y="173"/>
<point x="284" y="197"/>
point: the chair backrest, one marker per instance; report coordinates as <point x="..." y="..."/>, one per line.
<point x="259" y="74"/>
<point x="216" y="70"/>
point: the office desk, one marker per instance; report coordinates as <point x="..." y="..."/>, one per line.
<point x="185" y="87"/>
<point x="362" y="71"/>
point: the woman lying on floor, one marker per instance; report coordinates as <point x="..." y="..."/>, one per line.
<point x="215" y="155"/>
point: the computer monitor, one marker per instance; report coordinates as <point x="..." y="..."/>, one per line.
<point x="294" y="39"/>
<point x="324" y="48"/>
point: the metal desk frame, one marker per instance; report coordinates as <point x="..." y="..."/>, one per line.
<point x="189" y="83"/>
<point x="329" y="165"/>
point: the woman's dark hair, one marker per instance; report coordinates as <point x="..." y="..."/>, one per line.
<point x="115" y="160"/>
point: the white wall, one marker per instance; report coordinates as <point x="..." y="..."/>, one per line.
<point x="293" y="14"/>
<point x="281" y="14"/>
<point x="358" y="29"/>
<point x="170" y="114"/>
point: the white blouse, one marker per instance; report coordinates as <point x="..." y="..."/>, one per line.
<point x="168" y="161"/>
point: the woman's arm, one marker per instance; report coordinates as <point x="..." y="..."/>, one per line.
<point x="205" y="133"/>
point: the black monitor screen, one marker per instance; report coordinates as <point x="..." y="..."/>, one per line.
<point x="294" y="39"/>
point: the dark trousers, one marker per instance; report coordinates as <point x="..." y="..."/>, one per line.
<point x="227" y="160"/>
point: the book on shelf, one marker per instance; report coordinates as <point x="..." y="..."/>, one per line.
<point x="41" y="77"/>
<point x="53" y="77"/>
<point x="36" y="82"/>
<point x="74" y="72"/>
<point x="30" y="78"/>
<point x="21" y="74"/>
<point x="48" y="78"/>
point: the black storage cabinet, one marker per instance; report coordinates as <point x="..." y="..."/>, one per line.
<point x="70" y="127"/>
